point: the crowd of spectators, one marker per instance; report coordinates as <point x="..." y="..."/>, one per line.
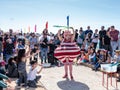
<point x="97" y="47"/>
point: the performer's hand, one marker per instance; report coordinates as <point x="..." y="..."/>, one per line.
<point x="72" y="28"/>
<point x="59" y="31"/>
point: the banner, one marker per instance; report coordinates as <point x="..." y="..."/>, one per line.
<point x="46" y="26"/>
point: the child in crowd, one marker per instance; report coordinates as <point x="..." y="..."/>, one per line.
<point x="35" y="51"/>
<point x="82" y="58"/>
<point x="100" y="58"/>
<point x="117" y="56"/>
<point x="32" y="75"/>
<point x="12" y="68"/>
<point x="21" y="62"/>
<point x="92" y="56"/>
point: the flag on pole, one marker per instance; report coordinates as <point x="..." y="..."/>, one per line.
<point x="28" y="29"/>
<point x="35" y="28"/>
<point x="68" y="21"/>
<point x="46" y="26"/>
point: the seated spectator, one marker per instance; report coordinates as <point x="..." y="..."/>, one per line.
<point x="12" y="68"/>
<point x="32" y="75"/>
<point x="116" y="61"/>
<point x="2" y="67"/>
<point x="92" y="56"/>
<point x="2" y="83"/>
<point x="83" y="58"/>
<point x="100" y="58"/>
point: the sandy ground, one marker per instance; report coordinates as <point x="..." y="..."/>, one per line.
<point x="84" y="79"/>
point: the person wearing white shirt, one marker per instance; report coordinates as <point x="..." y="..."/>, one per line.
<point x="33" y="76"/>
<point x="95" y="38"/>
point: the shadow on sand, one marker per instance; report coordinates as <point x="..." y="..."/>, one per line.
<point x="72" y="85"/>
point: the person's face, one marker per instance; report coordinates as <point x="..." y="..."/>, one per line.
<point x="91" y="51"/>
<point x="96" y="30"/>
<point x="102" y="52"/>
<point x="88" y="27"/>
<point x="68" y="37"/>
<point x="80" y="31"/>
<point x="51" y="41"/>
<point x="34" y="65"/>
<point x="36" y="47"/>
<point x="117" y="53"/>
<point x="102" y="28"/>
<point x="112" y="28"/>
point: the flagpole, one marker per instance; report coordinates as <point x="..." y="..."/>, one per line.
<point x="68" y="22"/>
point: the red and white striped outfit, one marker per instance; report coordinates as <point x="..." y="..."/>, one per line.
<point x="67" y="52"/>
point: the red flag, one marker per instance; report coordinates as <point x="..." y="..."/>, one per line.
<point x="46" y="27"/>
<point x="35" y="28"/>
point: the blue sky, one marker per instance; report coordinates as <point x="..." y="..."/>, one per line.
<point x="17" y="14"/>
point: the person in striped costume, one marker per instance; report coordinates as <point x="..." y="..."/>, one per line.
<point x="67" y="51"/>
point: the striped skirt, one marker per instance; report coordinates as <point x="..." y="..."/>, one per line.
<point x="67" y="52"/>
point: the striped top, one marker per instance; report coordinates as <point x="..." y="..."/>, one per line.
<point x="67" y="51"/>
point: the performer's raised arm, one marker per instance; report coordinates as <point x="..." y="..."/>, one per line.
<point x="73" y="36"/>
<point x="59" y="35"/>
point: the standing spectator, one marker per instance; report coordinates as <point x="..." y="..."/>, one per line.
<point x="80" y="38"/>
<point x="95" y="38"/>
<point x="9" y="49"/>
<point x="88" y="40"/>
<point x="106" y="42"/>
<point x="114" y="38"/>
<point x="102" y="33"/>
<point x="21" y="62"/>
<point x="33" y="41"/>
<point x="51" y="48"/>
<point x="56" y="41"/>
<point x="21" y="38"/>
<point x="88" y="30"/>
<point x="76" y="34"/>
<point x="44" y="47"/>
